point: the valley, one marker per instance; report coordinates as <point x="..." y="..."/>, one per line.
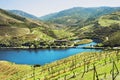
<point x="74" y="44"/>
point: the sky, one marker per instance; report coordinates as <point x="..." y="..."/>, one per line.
<point x="43" y="7"/>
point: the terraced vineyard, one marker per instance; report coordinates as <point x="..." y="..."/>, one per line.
<point x="86" y="66"/>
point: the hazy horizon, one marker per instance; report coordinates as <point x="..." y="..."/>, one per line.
<point x="41" y="8"/>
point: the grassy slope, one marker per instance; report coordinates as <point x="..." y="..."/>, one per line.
<point x="12" y="71"/>
<point x="107" y="20"/>
<point x="113" y="39"/>
<point x="103" y="27"/>
<point x="111" y="24"/>
<point x="15" y="26"/>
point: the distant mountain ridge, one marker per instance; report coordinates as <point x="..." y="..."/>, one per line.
<point x="78" y="15"/>
<point x="23" y="14"/>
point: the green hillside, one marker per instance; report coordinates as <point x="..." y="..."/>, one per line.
<point x="106" y="28"/>
<point x="78" y="16"/>
<point x="113" y="39"/>
<point x="16" y="30"/>
<point x="109" y="29"/>
<point x="13" y="25"/>
<point x="25" y="30"/>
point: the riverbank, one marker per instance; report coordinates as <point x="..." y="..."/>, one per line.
<point x="79" y="66"/>
<point x="105" y="48"/>
<point x="24" y="56"/>
<point x="83" y="41"/>
<point x="66" y="44"/>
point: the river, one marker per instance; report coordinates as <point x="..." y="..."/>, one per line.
<point x="40" y="56"/>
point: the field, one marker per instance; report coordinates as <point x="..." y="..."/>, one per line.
<point x="103" y="65"/>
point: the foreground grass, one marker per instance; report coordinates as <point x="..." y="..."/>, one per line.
<point x="77" y="67"/>
<point x="11" y="71"/>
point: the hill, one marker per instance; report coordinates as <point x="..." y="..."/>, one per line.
<point x="109" y="29"/>
<point x="23" y="14"/>
<point x="106" y="28"/>
<point x="16" y="30"/>
<point x="78" y="16"/>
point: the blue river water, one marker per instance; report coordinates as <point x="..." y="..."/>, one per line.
<point x="40" y="56"/>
